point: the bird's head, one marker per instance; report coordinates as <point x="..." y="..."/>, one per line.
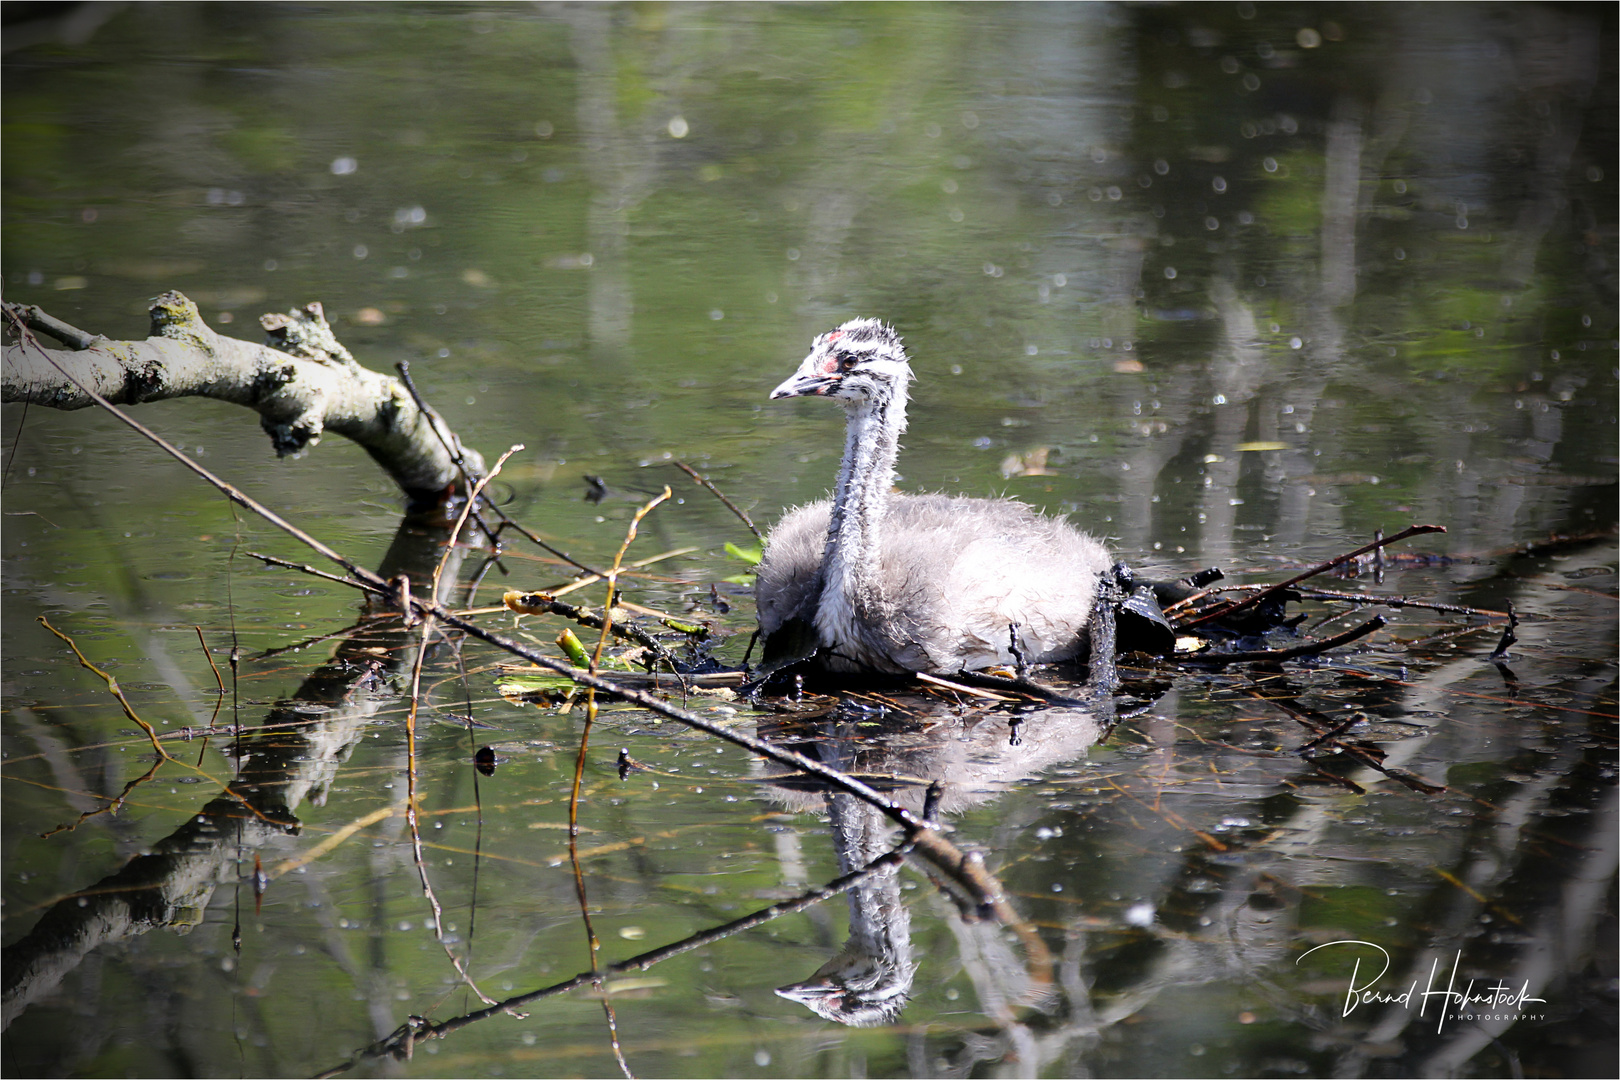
<point x="861" y="361"/>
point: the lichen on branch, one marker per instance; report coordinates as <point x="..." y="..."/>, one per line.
<point x="302" y="382"/>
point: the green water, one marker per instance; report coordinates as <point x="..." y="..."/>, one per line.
<point x="1227" y="284"/>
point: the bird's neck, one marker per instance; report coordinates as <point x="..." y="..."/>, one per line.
<point x="853" y="555"/>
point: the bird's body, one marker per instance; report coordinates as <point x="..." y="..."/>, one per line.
<point x="899" y="583"/>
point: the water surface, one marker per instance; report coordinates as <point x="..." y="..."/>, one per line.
<point x="1230" y="285"/>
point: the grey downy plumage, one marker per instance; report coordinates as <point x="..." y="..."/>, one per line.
<point x="876" y="581"/>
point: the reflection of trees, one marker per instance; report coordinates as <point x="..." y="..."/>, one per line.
<point x="1358" y="311"/>
<point x="1554" y="880"/>
<point x="292" y="757"/>
<point x="1257" y="839"/>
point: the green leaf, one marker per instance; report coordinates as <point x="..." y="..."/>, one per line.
<point x="751" y="556"/>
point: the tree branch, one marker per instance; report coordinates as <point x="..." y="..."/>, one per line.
<point x="302" y="384"/>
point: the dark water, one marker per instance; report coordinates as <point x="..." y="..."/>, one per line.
<point x="1230" y="285"/>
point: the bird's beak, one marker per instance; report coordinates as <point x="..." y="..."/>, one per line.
<point x="806" y="383"/>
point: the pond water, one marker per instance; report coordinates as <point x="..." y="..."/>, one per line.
<point x="1231" y="285"/>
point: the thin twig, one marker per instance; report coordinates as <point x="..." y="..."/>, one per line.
<point x="545" y="604"/>
<point x="1319" y="568"/>
<point x="410" y="721"/>
<point x="593" y="578"/>
<point x="613" y="573"/>
<point x="304" y="568"/>
<point x="689" y="471"/>
<point x="1310" y="648"/>
<point x="1364" y="756"/>
<point x="218" y="678"/>
<point x="593" y="944"/>
<point x="112" y="684"/>
<point x="113" y="805"/>
<point x="219" y="700"/>
<point x="456" y="455"/>
<point x="539" y="543"/>
<point x="1509" y="637"/>
<point x="970" y="691"/>
<point x="452" y="446"/>
<point x="306" y="643"/>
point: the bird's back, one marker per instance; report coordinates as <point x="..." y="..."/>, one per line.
<point x="955" y="574"/>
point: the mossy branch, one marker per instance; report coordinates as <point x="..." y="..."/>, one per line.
<point x="301" y="382"/>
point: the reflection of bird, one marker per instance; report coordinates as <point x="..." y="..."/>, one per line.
<point x="972" y="757"/>
<point x="869" y="981"/>
<point x="896" y="583"/>
<point x="857" y="988"/>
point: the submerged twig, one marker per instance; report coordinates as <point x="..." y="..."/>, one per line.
<point x="1328" y="734"/>
<point x="113" y="804"/>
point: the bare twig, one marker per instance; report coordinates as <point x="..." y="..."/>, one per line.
<point x="509" y="523"/>
<point x="112" y="685"/>
<point x="960" y="688"/>
<point x="593" y="577"/>
<point x="36" y="318"/>
<point x="1224" y="611"/>
<point x="1509" y="638"/>
<point x="1399" y="602"/>
<point x="1330" y="731"/>
<point x="305" y="568"/>
<point x="613" y="572"/>
<point x="452" y="446"/>
<point x="1310" y="648"/>
<point x="217" y="677"/>
<point x="545" y="604"/>
<point x="113" y="805"/>
<point x="689" y="471"/>
<point x="592" y="943"/>
<point x="410" y="723"/>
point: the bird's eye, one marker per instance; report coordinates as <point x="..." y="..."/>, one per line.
<point x="846" y="361"/>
